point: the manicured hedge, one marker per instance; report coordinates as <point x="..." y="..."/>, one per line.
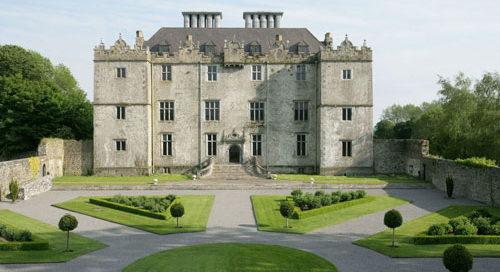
<point x="36" y="243"/>
<point x="299" y="214"/>
<point x="103" y="201"/>
<point x="456" y="239"/>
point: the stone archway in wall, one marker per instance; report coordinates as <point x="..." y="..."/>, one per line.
<point x="234" y="154"/>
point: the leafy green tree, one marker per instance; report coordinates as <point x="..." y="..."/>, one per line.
<point x="384" y="129"/>
<point x="68" y="223"/>
<point x="286" y="210"/>
<point x="399" y="114"/>
<point x="38" y="100"/>
<point x="177" y="210"/>
<point x="403" y="130"/>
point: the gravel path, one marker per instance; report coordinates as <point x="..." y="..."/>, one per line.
<point x="232" y="220"/>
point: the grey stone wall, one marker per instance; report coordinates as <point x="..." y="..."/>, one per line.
<point x="78" y="157"/>
<point x="395" y="156"/>
<point x="40" y="185"/>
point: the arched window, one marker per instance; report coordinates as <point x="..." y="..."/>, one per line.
<point x="44" y="170"/>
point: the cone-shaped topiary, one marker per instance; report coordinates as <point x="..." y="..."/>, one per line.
<point x="393" y="219"/>
<point x="449" y="186"/>
<point x="14" y="190"/>
<point x="286" y="210"/>
<point x="68" y="223"/>
<point x="177" y="210"/>
<point x="457" y="259"/>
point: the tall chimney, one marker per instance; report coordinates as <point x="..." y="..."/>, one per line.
<point x="262" y="19"/>
<point x="202" y="19"/>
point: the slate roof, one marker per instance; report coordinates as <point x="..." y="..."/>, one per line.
<point x="266" y="37"/>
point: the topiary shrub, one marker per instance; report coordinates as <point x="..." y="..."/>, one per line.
<point x="326" y="200"/>
<point x="170" y="198"/>
<point x="457" y="259"/>
<point x="458" y="221"/>
<point x="393" y="219"/>
<point x="177" y="210"/>
<point x="335" y="199"/>
<point x="68" y="223"/>
<point x="337" y="194"/>
<point x="495" y="229"/>
<point x="466" y="229"/>
<point x="286" y="210"/>
<point x="361" y="193"/>
<point x="319" y="193"/>
<point x="345" y="197"/>
<point x="14" y="190"/>
<point x="483" y="225"/>
<point x="449" y="186"/>
<point x="296" y="193"/>
<point x="353" y="194"/>
<point x="439" y="229"/>
<point x="480" y="213"/>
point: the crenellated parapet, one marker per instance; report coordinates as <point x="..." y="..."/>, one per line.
<point x="120" y="51"/>
<point x="346" y="51"/>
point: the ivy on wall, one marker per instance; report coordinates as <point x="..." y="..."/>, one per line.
<point x="34" y="165"/>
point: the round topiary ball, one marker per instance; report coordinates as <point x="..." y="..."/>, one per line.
<point x="68" y="222"/>
<point x="393" y="219"/>
<point x="286" y="209"/>
<point x="177" y="210"/>
<point x="457" y="259"/>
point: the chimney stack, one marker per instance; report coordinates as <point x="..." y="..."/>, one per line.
<point x="202" y="19"/>
<point x="262" y="19"/>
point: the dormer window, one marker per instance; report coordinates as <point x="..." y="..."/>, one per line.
<point x="254" y="49"/>
<point x="302" y="48"/>
<point x="209" y="48"/>
<point x="164" y="49"/>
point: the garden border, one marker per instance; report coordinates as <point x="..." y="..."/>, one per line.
<point x="455" y="239"/>
<point x="104" y="201"/>
<point x="36" y="243"/>
<point x="299" y="214"/>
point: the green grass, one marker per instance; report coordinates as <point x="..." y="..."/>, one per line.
<point x="232" y="257"/>
<point x="380" y="242"/>
<point x="126" y="180"/>
<point x="57" y="242"/>
<point x="197" y="209"/>
<point x="268" y="216"/>
<point x="376" y="179"/>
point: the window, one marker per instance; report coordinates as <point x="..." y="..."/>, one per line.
<point x="256" y="72"/>
<point x="120" y="112"/>
<point x="212" y="72"/>
<point x="300" y="72"/>
<point x="303" y="49"/>
<point x="212" y="110"/>
<point x="301" y="144"/>
<point x="257" y="111"/>
<point x="209" y="49"/>
<point x="346" y="74"/>
<point x="120" y="72"/>
<point x="167" y="111"/>
<point x="347" y="114"/>
<point x="166" y="72"/>
<point x="166" y="170"/>
<point x="256" y="144"/>
<point x="121" y="145"/>
<point x="166" y="144"/>
<point x="346" y="148"/>
<point x="254" y="49"/>
<point x="164" y="49"/>
<point x="301" y="111"/>
<point x="211" y="144"/>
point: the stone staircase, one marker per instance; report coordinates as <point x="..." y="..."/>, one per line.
<point x="232" y="172"/>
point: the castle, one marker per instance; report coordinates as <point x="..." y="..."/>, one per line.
<point x="296" y="104"/>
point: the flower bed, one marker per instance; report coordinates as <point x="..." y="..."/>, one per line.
<point x="308" y="205"/>
<point x="17" y="239"/>
<point x="480" y="227"/>
<point x="154" y="207"/>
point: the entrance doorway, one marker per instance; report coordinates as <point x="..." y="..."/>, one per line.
<point x="234" y="154"/>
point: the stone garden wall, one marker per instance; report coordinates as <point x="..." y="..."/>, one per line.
<point x="412" y="157"/>
<point x="78" y="157"/>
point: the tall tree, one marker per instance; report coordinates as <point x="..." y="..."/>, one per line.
<point x="399" y="114"/>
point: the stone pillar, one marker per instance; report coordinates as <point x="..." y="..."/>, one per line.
<point x="187" y="21"/>
<point x="209" y="21"/>
<point x="194" y="20"/>
<point x="248" y="21"/>
<point x="217" y="20"/>
<point x="263" y="21"/>
<point x="277" y="23"/>
<point x="270" y="21"/>
<point x="202" y="20"/>
<point x="256" y="22"/>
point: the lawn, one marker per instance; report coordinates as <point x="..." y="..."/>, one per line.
<point x="375" y="179"/>
<point x="113" y="180"/>
<point x="380" y="242"/>
<point x="268" y="216"/>
<point x="197" y="211"/>
<point x="232" y="257"/>
<point x="57" y="242"/>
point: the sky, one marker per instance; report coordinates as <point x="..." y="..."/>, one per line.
<point x="413" y="42"/>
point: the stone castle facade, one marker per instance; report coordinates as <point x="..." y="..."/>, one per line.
<point x="279" y="95"/>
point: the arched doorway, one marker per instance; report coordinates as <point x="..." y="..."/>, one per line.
<point x="234" y="154"/>
<point x="44" y="171"/>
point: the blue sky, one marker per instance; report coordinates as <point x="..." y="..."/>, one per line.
<point x="413" y="41"/>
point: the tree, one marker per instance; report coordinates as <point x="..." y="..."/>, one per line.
<point x="384" y="129"/>
<point x="14" y="190"/>
<point x="38" y="100"/>
<point x="393" y="219"/>
<point x="457" y="259"/>
<point x="177" y="210"/>
<point x="403" y="130"/>
<point x="286" y="210"/>
<point x="399" y="114"/>
<point x="68" y="223"/>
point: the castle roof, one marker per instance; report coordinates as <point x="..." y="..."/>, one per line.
<point x="266" y="37"/>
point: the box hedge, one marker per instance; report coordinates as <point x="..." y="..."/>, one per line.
<point x="455" y="239"/>
<point x="104" y="201"/>
<point x="299" y="214"/>
<point x="35" y="243"/>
